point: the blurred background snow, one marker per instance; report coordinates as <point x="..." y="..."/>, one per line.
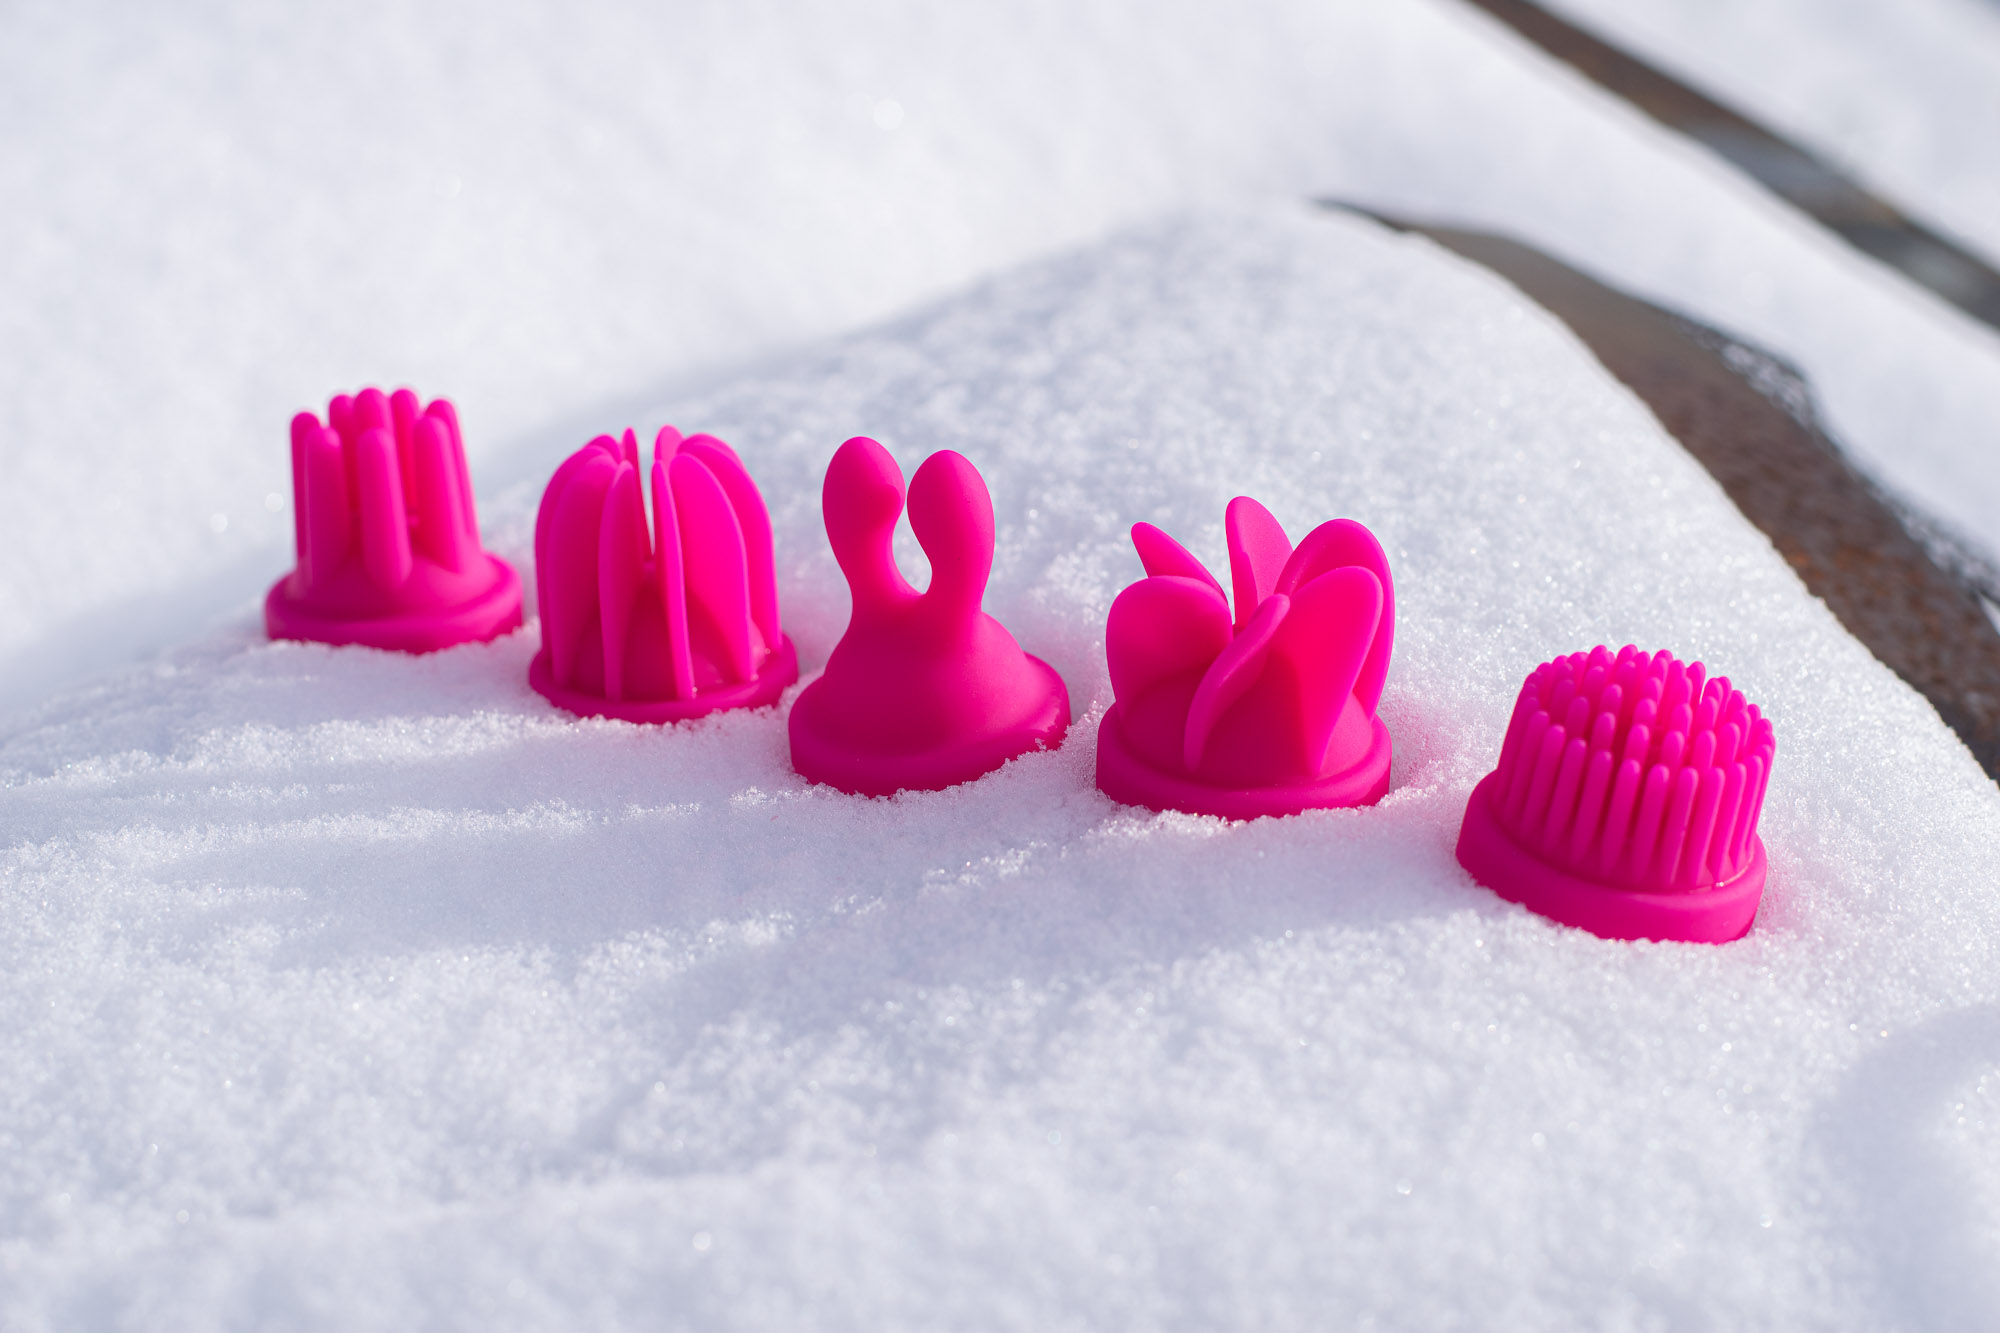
<point x="221" y="212"/>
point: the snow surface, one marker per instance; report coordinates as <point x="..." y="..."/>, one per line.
<point x="220" y="212"/>
<point x="1905" y="96"/>
<point x="353" y="990"/>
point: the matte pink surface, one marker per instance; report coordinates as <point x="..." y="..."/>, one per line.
<point x="387" y="537"/>
<point x="1267" y="712"/>
<point x="1626" y="799"/>
<point x="924" y="690"/>
<point x="659" y="622"/>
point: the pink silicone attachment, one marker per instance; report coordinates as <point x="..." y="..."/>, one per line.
<point x="1626" y="800"/>
<point x="924" y="690"/>
<point x="388" y="541"/>
<point x="1268" y="712"/>
<point x="662" y="622"/>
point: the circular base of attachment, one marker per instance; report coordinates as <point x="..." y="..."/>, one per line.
<point x="1124" y="776"/>
<point x="781" y="668"/>
<point x="1700" y="916"/>
<point x="873" y="773"/>
<point x="476" y="620"/>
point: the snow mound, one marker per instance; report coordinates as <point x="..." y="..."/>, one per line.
<point x="361" y="991"/>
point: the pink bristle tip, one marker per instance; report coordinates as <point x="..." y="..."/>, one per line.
<point x="1269" y="710"/>
<point x="1626" y="800"/>
<point x="660" y="617"/>
<point x="387" y="541"/>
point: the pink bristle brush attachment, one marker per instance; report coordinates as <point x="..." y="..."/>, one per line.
<point x="388" y="540"/>
<point x="1626" y="800"/>
<point x="1270" y="712"/>
<point x="924" y="690"/>
<point x="662" y="624"/>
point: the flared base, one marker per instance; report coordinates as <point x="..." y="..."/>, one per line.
<point x="1700" y="916"/>
<point x="491" y="613"/>
<point x="820" y="758"/>
<point x="1124" y="776"/>
<point x="781" y="668"/>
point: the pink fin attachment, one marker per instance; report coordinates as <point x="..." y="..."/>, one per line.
<point x="1269" y="711"/>
<point x="660" y="620"/>
<point x="388" y="543"/>
<point x="1626" y="800"/>
<point x="924" y="690"/>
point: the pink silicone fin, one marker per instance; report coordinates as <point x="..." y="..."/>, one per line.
<point x="1162" y="627"/>
<point x="621" y="557"/>
<point x="1258" y="549"/>
<point x="719" y="583"/>
<point x="569" y="576"/>
<point x="329" y="519"/>
<point x="1339" y="543"/>
<point x="1234" y="672"/>
<point x="1318" y="652"/>
<point x="748" y="505"/>
<point x="1161" y="554"/>
<point x="671" y="568"/>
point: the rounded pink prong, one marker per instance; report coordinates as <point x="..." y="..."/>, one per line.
<point x="388" y="542"/>
<point x="924" y="690"/>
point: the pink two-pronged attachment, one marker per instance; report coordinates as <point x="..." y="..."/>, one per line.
<point x="1626" y="800"/>
<point x="388" y="542"/>
<point x="659" y="625"/>
<point x="924" y="690"/>
<point x="1271" y="712"/>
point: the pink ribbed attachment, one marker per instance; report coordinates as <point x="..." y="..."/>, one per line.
<point x="1268" y="712"/>
<point x="388" y="541"/>
<point x="1626" y="799"/>
<point x="660" y="619"/>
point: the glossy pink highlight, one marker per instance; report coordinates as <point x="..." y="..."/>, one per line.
<point x="387" y="537"/>
<point x="1269" y="711"/>
<point x="1626" y="799"/>
<point x="662" y="620"/>
<point x="924" y="690"/>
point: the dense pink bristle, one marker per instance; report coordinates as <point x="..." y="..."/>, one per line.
<point x="1634" y="768"/>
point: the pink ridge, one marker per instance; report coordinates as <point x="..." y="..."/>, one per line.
<point x="662" y="621"/>
<point x="1267" y="712"/>
<point x="1626" y="799"/>
<point x="387" y="538"/>
<point x="924" y="690"/>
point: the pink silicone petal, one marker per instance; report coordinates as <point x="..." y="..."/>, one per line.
<point x="1162" y="627"/>
<point x="1161" y="554"/>
<point x="1318" y="652"/>
<point x="1258" y="549"/>
<point x="1339" y="543"/>
<point x="1231" y="676"/>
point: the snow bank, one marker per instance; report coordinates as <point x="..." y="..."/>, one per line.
<point x="360" y="991"/>
<point x="221" y="212"/>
